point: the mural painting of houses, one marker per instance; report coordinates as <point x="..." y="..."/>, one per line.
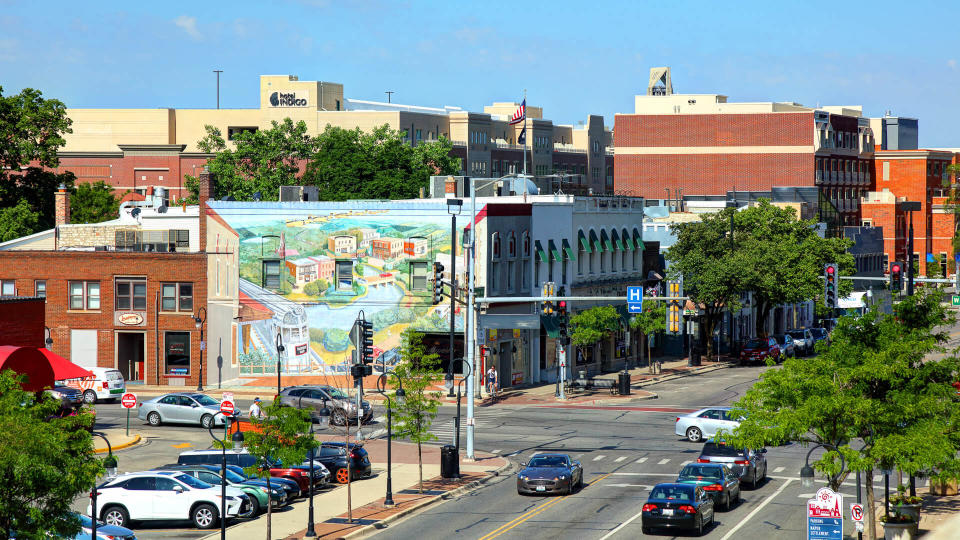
<point x="386" y="248"/>
<point x="342" y="244"/>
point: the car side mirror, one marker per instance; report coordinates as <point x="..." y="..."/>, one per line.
<point x="178" y="489"/>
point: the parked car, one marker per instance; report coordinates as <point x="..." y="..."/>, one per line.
<point x="788" y="348"/>
<point x="334" y="457"/>
<point x="164" y="495"/>
<point x="291" y="487"/>
<point x="259" y="496"/>
<point x="819" y="334"/>
<point x="705" y="423"/>
<point x="342" y="407"/>
<point x="716" y="479"/>
<point x="182" y="408"/>
<point x="104" y="531"/>
<point x="70" y="398"/>
<point x="677" y="506"/>
<point x="550" y="473"/>
<point x="299" y="474"/>
<point x="107" y="384"/>
<point x="803" y="340"/>
<point x="749" y="465"/>
<point x="759" y="349"/>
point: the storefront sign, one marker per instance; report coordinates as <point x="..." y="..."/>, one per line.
<point x="518" y="378"/>
<point x="301" y="349"/>
<point x="289" y="99"/>
<point x="128" y="318"/>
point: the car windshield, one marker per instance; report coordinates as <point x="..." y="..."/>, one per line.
<point x="192" y="482"/>
<point x="234" y="478"/>
<point x="722" y="450"/>
<point x="205" y="400"/>
<point x="796" y="335"/>
<point x="754" y="343"/>
<point x="336" y="393"/>
<point x="701" y="471"/>
<point x="548" y="461"/>
<point x="680" y="493"/>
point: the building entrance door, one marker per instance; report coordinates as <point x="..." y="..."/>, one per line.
<point x="130" y="355"/>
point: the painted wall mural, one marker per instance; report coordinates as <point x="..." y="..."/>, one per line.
<point x="307" y="270"/>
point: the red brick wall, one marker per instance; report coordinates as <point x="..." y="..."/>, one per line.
<point x="60" y="267"/>
<point x="757" y="129"/>
<point x="22" y="320"/>
<point x="884" y="215"/>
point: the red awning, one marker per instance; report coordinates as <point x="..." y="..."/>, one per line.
<point x="63" y="368"/>
<point x="41" y="366"/>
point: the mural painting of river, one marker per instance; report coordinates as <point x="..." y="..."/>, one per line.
<point x="308" y="269"/>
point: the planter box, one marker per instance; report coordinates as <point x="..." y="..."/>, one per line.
<point x="900" y="531"/>
<point x="943" y="487"/>
<point x="912" y="510"/>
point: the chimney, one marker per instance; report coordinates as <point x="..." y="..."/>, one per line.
<point x="61" y="206"/>
<point x="205" y="193"/>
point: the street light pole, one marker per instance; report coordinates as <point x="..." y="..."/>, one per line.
<point x="910" y="207"/>
<point x="280" y="350"/>
<point x="110" y="466"/>
<point x="223" y="475"/>
<point x="459" y="385"/>
<point x="381" y="388"/>
<point x="806" y="473"/>
<point x="200" y="318"/>
<point x="451" y="205"/>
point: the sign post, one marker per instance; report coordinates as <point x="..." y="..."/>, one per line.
<point x="128" y="401"/>
<point x="856" y="514"/>
<point x="825" y="516"/>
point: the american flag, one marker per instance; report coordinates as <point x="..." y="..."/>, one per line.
<point x="520" y="115"/>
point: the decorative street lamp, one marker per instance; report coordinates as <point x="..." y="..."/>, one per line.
<point x="280" y="350"/>
<point x="199" y="319"/>
<point x="48" y="339"/>
<point x="454" y="207"/>
<point x="806" y="473"/>
<point x="110" y="466"/>
<point x="325" y="411"/>
<point x="400" y="394"/>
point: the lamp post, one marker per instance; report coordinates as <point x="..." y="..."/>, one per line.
<point x="238" y="440"/>
<point x="459" y="385"/>
<point x="48" y="337"/>
<point x="381" y="388"/>
<point x="110" y="466"/>
<point x="280" y="350"/>
<point x="733" y="206"/>
<point x="454" y="206"/>
<point x="806" y="473"/>
<point x="311" y="528"/>
<point x="199" y="319"/>
<point x="910" y="207"/>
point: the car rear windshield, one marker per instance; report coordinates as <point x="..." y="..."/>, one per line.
<point x="114" y="376"/>
<point x="754" y="343"/>
<point x="701" y="471"/>
<point x="722" y="450"/>
<point x="680" y="493"/>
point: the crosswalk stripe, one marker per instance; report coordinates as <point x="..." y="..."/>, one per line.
<point x="778" y="470"/>
<point x="663" y="461"/>
<point x="618" y="460"/>
<point x="598" y="458"/>
<point x="497" y="451"/>
<point x="641" y="460"/>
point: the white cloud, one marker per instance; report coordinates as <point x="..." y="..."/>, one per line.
<point x="952" y="64"/>
<point x="189" y="25"/>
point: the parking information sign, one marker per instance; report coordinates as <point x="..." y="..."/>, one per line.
<point x="825" y="516"/>
<point x="634" y="299"/>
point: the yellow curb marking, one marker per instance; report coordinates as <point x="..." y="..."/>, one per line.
<point x="135" y="440"/>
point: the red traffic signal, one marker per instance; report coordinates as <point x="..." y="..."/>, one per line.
<point x="829" y="269"/>
<point x="895" y="268"/>
<point x="562" y="304"/>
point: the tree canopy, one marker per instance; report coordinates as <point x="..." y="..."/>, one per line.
<point x="591" y="325"/>
<point x="31" y="129"/>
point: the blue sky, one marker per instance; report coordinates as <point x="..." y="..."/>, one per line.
<point x="574" y="58"/>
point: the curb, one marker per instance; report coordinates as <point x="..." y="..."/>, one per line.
<point x="704" y="369"/>
<point x="136" y="440"/>
<point x="367" y="530"/>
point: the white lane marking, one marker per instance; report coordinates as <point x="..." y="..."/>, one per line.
<point x="497" y="451"/>
<point x="684" y="464"/>
<point x="778" y="470"/>
<point x="663" y="461"/>
<point x="756" y="510"/>
<point x="644" y="486"/>
<point x="641" y="460"/>
<point x="618" y="460"/>
<point x="672" y="475"/>
<point x="622" y="525"/>
<point x="598" y="458"/>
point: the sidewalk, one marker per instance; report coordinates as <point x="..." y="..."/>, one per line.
<point x="118" y="440"/>
<point x="940" y="518"/>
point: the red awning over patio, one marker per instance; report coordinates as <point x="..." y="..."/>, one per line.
<point x="41" y="366"/>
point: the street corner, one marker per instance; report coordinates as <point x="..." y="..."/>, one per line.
<point x="118" y="441"/>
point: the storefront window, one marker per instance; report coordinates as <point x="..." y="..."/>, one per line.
<point x="176" y="350"/>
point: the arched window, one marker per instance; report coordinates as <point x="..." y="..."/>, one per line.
<point x="495" y="245"/>
<point x="512" y="245"/>
<point x="525" y="240"/>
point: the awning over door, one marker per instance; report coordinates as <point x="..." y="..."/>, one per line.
<point x="638" y="239"/>
<point x="554" y="252"/>
<point x="625" y="238"/>
<point x="568" y="250"/>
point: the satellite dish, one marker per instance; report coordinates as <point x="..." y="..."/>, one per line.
<point x="135" y="212"/>
<point x="257" y="196"/>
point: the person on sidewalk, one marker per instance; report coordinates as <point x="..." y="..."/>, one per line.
<point x="492" y="381"/>
<point x="255" y="411"/>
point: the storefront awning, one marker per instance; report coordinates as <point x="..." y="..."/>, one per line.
<point x="539" y="249"/>
<point x="554" y="251"/>
<point x="638" y="239"/>
<point x="550" y="325"/>
<point x="584" y="243"/>
<point x="615" y="238"/>
<point x="625" y="238"/>
<point x="41" y="366"/>
<point x="595" y="242"/>
<point x="568" y="250"/>
<point x="606" y="240"/>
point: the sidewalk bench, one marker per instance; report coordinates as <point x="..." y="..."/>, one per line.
<point x="592" y="383"/>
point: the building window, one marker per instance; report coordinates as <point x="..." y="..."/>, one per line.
<point x="419" y="134"/>
<point x="84" y="295"/>
<point x="271" y="274"/>
<point x="176" y="297"/>
<point x="418" y="275"/>
<point x="344" y="271"/>
<point x="563" y="266"/>
<point x="40" y="288"/>
<point x="131" y="295"/>
<point x="886" y="170"/>
<point x="495" y="245"/>
<point x="176" y="352"/>
<point x="511" y="245"/>
<point x="8" y="287"/>
<point x="233" y="131"/>
<point x="525" y="241"/>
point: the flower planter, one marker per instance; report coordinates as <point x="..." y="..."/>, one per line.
<point x="943" y="487"/>
<point x="900" y="531"/>
<point x="911" y="510"/>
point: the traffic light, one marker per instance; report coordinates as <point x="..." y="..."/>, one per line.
<point x="437" y="283"/>
<point x="830" y="276"/>
<point x="675" y="307"/>
<point x="563" y="318"/>
<point x="366" y="341"/>
<point x="896" y="276"/>
<point x="546" y="306"/>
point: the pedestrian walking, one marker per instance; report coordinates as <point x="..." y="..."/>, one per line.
<point x="255" y="411"/>
<point x="493" y="380"/>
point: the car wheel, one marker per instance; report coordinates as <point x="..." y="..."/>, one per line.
<point x="154" y="418"/>
<point x="115" y="515"/>
<point x="694" y="434"/>
<point x="206" y="421"/>
<point x="89" y="397"/>
<point x="255" y="505"/>
<point x="339" y="417"/>
<point x="204" y="516"/>
<point x="700" y="526"/>
<point x="342" y="476"/>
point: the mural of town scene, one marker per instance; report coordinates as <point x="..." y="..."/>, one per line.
<point x="309" y="274"/>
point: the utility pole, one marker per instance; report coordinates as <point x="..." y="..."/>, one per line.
<point x="389" y="93"/>
<point x="218" y="72"/>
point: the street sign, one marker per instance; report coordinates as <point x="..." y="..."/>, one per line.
<point x="825" y="516"/>
<point x="955" y="301"/>
<point x="226" y="407"/>
<point x="227" y="396"/>
<point x="634" y="299"/>
<point x="856" y="512"/>
<point x="128" y="401"/>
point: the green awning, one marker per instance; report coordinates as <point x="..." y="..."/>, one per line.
<point x="584" y="243"/>
<point x="595" y="241"/>
<point x="568" y="250"/>
<point x="625" y="238"/>
<point x="638" y="240"/>
<point x="554" y="251"/>
<point x="539" y="249"/>
<point x="549" y="323"/>
<point x="606" y="240"/>
<point x="615" y="237"/>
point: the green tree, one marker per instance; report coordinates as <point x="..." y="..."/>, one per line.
<point x="278" y="437"/>
<point x="18" y="221"/>
<point x="37" y="187"/>
<point x="93" y="203"/>
<point x="591" y="325"/>
<point x="414" y="414"/>
<point x="652" y="320"/>
<point x="45" y="476"/>
<point x="316" y="287"/>
<point x="31" y="129"/>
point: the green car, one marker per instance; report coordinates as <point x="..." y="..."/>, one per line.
<point x="258" y="493"/>
<point x="717" y="479"/>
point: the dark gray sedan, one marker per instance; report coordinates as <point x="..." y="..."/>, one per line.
<point x="341" y="407"/>
<point x="749" y="465"/>
<point x="186" y="408"/>
<point x="550" y="473"/>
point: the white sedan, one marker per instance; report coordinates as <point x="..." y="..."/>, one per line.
<point x="705" y="423"/>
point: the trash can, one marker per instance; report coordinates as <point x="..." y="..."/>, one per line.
<point x="624" y="383"/>
<point x="695" y="356"/>
<point x="449" y="462"/>
<point x="582" y="374"/>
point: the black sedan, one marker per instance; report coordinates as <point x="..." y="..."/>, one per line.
<point x="716" y="479"/>
<point x="550" y="473"/>
<point x="677" y="506"/>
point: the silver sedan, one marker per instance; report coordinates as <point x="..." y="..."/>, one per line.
<point x="185" y="408"/>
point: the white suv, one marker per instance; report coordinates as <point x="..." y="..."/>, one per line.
<point x="107" y="384"/>
<point x="165" y="495"/>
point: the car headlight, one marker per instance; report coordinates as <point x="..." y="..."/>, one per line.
<point x="522" y="477"/>
<point x="563" y="477"/>
<point x="555" y="478"/>
<point x="263" y="489"/>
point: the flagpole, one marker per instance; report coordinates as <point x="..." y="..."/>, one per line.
<point x="527" y="137"/>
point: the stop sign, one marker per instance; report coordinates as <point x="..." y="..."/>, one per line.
<point x="128" y="401"/>
<point x="226" y="407"/>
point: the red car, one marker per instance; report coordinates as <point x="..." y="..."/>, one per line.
<point x="759" y="349"/>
